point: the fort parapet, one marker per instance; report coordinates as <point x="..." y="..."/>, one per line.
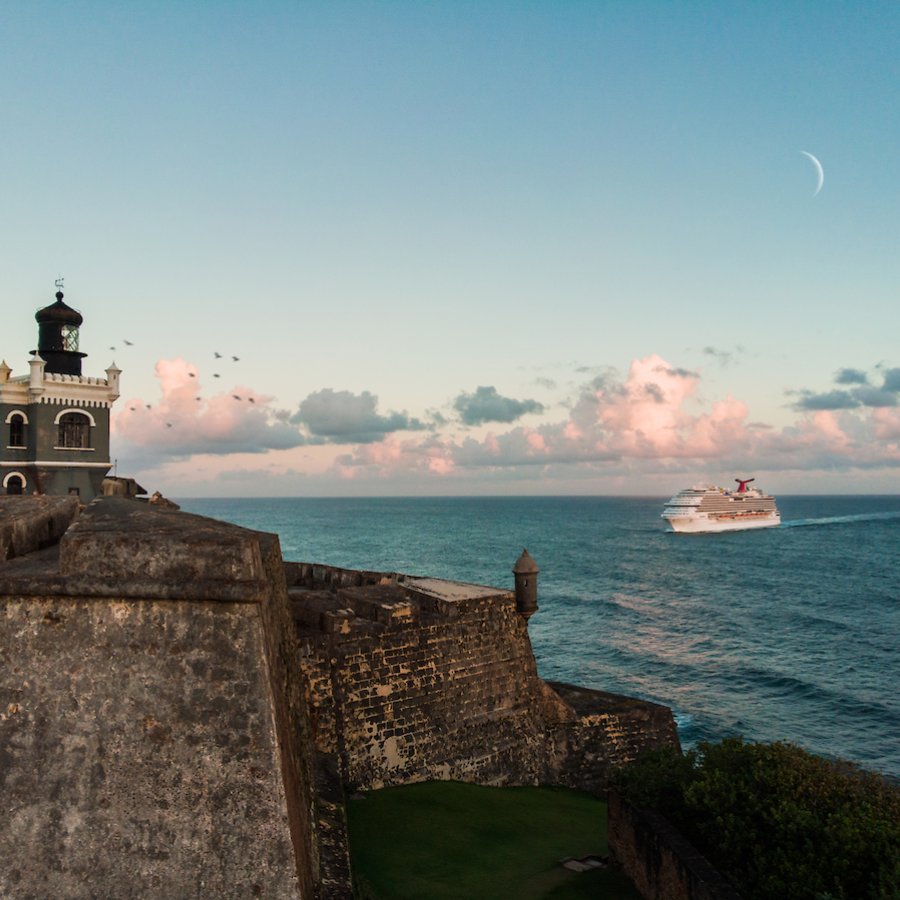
<point x="419" y="678"/>
<point x="182" y="712"/>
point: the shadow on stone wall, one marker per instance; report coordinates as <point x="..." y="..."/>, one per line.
<point x="662" y="864"/>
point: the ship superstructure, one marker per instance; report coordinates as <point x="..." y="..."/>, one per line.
<point x="707" y="508"/>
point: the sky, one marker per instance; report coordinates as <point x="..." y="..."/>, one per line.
<point x="465" y="247"/>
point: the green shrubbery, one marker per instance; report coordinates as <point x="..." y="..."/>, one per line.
<point x="777" y="821"/>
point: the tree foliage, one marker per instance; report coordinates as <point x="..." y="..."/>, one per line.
<point x="776" y="820"/>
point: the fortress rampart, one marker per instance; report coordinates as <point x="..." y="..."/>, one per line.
<point x="181" y="711"/>
<point x="417" y="678"/>
<point x="152" y="732"/>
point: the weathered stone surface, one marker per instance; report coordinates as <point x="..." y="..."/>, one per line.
<point x="120" y="538"/>
<point x="137" y="752"/>
<point x="607" y="731"/>
<point x="181" y="710"/>
<point x="153" y="743"/>
<point x="29" y="523"/>
<point x="408" y="693"/>
<point x="415" y="678"/>
<point x="124" y="548"/>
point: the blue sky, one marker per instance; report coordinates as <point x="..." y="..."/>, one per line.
<point x="445" y="239"/>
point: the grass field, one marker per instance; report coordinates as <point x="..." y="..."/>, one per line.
<point x="453" y="841"/>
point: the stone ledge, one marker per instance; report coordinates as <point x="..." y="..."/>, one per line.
<point x="123" y="548"/>
<point x="30" y="523"/>
<point x="117" y="538"/>
<point x="588" y="702"/>
<point x="386" y="604"/>
<point x="383" y="600"/>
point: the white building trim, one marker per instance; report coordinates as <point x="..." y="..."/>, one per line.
<point x="17" y="412"/>
<point x="12" y="475"/>
<point x="74" y="409"/>
<point x="55" y="464"/>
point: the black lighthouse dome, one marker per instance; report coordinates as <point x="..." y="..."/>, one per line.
<point x="58" y="326"/>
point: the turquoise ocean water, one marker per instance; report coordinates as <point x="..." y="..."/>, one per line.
<point x="787" y="633"/>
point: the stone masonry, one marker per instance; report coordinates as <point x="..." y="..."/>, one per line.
<point x="181" y="712"/>
<point x="416" y="678"/>
<point x="153" y="741"/>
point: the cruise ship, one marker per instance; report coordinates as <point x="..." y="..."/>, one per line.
<point x="704" y="508"/>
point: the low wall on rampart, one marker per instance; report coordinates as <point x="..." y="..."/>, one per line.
<point x="607" y="730"/>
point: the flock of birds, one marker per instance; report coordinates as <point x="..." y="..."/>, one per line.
<point x="216" y="355"/>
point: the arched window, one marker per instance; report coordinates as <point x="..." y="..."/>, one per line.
<point x="74" y="431"/>
<point x="16" y="429"/>
<point x="15" y="483"/>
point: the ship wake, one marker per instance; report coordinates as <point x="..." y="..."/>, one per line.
<point x="841" y="520"/>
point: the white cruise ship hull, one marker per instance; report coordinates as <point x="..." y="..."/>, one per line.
<point x="705" y="509"/>
<point x="705" y="525"/>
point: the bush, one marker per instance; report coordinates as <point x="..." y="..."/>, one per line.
<point x="776" y="820"/>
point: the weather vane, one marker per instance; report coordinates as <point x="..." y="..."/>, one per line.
<point x="59" y="283"/>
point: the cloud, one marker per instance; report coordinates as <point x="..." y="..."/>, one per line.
<point x="891" y="380"/>
<point x="863" y="395"/>
<point x="341" y="417"/>
<point x="430" y="456"/>
<point x="886" y="424"/>
<point x="639" y="427"/>
<point x="723" y="357"/>
<point x="851" y="376"/>
<point x="639" y="417"/>
<point x="678" y="372"/>
<point x="486" y="405"/>
<point x="183" y="422"/>
<point x="829" y="401"/>
<point x="640" y="424"/>
<point x="874" y="397"/>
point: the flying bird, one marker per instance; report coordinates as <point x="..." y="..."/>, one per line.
<point x="199" y="398"/>
<point x="216" y="375"/>
<point x="168" y="424"/>
<point x="235" y="396"/>
<point x="236" y="358"/>
<point x="127" y="343"/>
<point x="131" y="408"/>
<point x="192" y="374"/>
<point x="217" y="354"/>
<point x="250" y="400"/>
<point x="148" y="406"/>
<point x="112" y="348"/>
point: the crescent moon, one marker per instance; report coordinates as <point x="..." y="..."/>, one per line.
<point x="819" y="171"/>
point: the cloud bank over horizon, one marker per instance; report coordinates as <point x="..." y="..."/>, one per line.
<point x="651" y="421"/>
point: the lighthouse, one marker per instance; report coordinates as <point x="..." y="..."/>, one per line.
<point x="55" y="419"/>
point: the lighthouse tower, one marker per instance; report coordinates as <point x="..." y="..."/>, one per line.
<point x="54" y="420"/>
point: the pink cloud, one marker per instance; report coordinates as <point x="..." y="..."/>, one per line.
<point x="184" y="421"/>
<point x="646" y="419"/>
<point x="887" y="424"/>
<point x="649" y="423"/>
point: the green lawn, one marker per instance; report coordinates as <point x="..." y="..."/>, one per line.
<point x="452" y="841"/>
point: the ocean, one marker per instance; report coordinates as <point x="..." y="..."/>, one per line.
<point x="786" y="633"/>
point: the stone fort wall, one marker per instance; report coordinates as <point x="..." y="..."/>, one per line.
<point x="181" y="712"/>
<point x="152" y="734"/>
<point x="414" y="678"/>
